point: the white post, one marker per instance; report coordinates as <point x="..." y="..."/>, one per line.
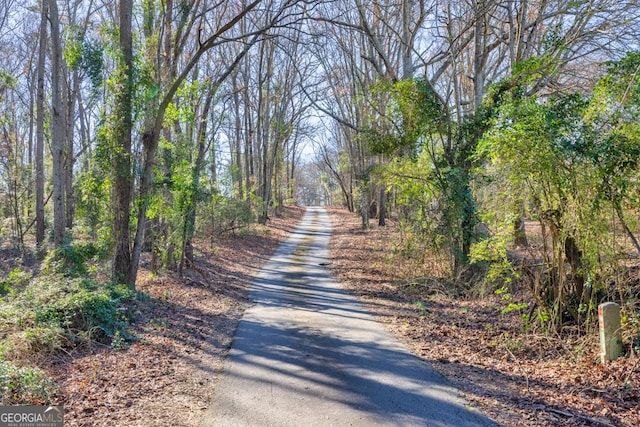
<point x="610" y="336"/>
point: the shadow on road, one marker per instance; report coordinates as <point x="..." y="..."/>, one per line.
<point x="308" y="354"/>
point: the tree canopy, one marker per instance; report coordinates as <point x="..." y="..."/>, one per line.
<point x="141" y="125"/>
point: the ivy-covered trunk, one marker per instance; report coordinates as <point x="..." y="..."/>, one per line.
<point x="461" y="159"/>
<point x="122" y="185"/>
<point x="459" y="215"/>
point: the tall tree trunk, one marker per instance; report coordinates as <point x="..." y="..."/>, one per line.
<point x="122" y="186"/>
<point x="480" y="52"/>
<point x="40" y="117"/>
<point x="70" y="103"/>
<point x="192" y="204"/>
<point x="57" y="127"/>
<point x="407" y="40"/>
<point x="249" y="170"/>
<point x="238" y="131"/>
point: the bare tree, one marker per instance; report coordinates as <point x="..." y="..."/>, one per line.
<point x="272" y="14"/>
<point x="460" y="49"/>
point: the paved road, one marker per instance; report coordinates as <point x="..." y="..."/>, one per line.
<point x="307" y="354"/>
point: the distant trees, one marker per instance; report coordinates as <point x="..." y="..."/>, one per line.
<point x="466" y="57"/>
<point x="138" y="123"/>
<point x="148" y="117"/>
<point x="432" y="83"/>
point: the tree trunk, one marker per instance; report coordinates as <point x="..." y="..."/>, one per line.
<point x="57" y="128"/>
<point x="382" y="207"/>
<point x="249" y="170"/>
<point x="364" y="202"/>
<point x="237" y="130"/>
<point x="122" y="157"/>
<point x="263" y="125"/>
<point x="69" y="154"/>
<point x="40" y="117"/>
<point x="268" y="177"/>
<point x="480" y="53"/>
<point x="519" y="229"/>
<point x="574" y="256"/>
<point x="190" y="214"/>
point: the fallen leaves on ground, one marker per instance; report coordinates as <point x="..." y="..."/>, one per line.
<point x="517" y="378"/>
<point x="183" y="329"/>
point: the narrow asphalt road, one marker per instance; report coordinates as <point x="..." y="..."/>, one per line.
<point x="307" y="354"/>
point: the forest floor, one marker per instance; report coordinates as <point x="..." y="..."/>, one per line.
<point x="184" y="327"/>
<point x="516" y="377"/>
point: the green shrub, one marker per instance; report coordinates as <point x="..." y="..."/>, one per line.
<point x="5" y="288"/>
<point x="43" y="339"/>
<point x="16" y="279"/>
<point x="55" y="311"/>
<point x="228" y="214"/>
<point x="25" y="386"/>
<point x="70" y="259"/>
<point x="85" y="309"/>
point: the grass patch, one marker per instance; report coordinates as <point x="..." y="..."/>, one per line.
<point x="15" y="280"/>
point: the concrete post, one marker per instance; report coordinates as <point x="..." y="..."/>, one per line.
<point x="610" y="336"/>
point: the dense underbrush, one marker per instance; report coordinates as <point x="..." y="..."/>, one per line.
<point x="53" y="311"/>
